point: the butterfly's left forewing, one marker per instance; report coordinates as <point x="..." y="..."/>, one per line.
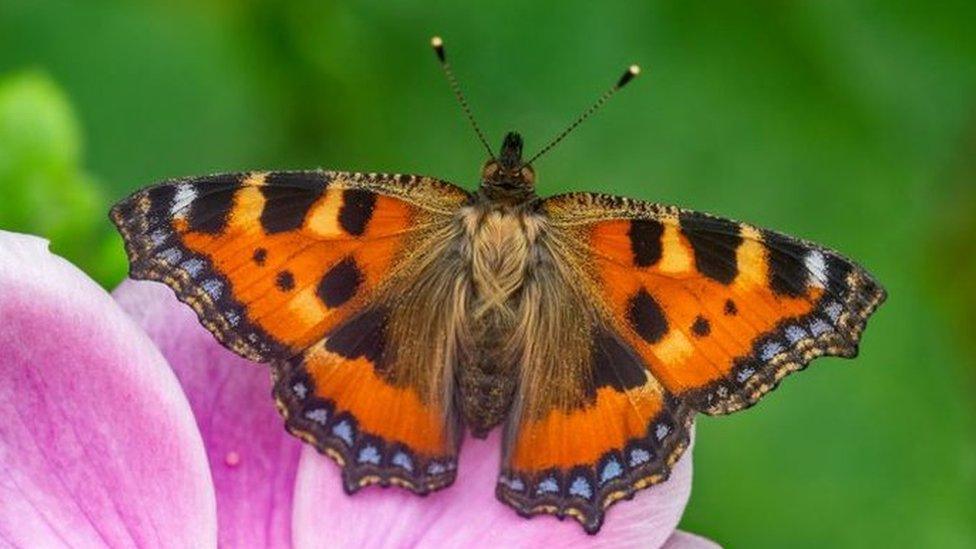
<point x="302" y="269"/>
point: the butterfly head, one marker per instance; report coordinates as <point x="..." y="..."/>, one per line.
<point x="506" y="177"/>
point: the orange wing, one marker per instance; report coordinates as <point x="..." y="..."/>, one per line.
<point x="719" y="311"/>
<point x="691" y="313"/>
<point x="577" y="461"/>
<point x="287" y="267"/>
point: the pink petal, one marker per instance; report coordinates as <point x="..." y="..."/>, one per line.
<point x="684" y="540"/>
<point x="467" y="513"/>
<point x="97" y="444"/>
<point x="253" y="459"/>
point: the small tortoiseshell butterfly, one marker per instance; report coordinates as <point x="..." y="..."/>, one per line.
<point x="398" y="312"/>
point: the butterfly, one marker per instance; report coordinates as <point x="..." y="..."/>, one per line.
<point x="400" y="312"/>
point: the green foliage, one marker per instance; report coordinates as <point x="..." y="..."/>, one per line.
<point x="43" y="187"/>
<point x="846" y="123"/>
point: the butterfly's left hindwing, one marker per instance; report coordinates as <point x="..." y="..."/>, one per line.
<point x="297" y="269"/>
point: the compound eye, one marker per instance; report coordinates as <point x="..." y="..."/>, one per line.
<point x="528" y="174"/>
<point x="490" y="171"/>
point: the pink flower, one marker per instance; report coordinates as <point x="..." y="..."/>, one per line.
<point x="126" y="424"/>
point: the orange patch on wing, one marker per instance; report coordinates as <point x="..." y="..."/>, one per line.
<point x="393" y="413"/>
<point x="384" y="237"/>
<point x="566" y="439"/>
<point x="297" y="317"/>
<point x="676" y="254"/>
<point x="611" y="239"/>
<point x="682" y="360"/>
<point x="323" y="216"/>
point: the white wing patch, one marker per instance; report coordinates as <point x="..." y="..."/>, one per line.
<point x="185" y="194"/>
<point x="817" y="267"/>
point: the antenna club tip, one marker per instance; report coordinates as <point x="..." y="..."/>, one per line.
<point x="631" y="72"/>
<point x="437" y="43"/>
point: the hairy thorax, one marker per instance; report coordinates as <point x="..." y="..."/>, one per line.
<point x="501" y="246"/>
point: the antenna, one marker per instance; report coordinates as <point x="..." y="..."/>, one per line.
<point x="625" y="79"/>
<point x="438" y="44"/>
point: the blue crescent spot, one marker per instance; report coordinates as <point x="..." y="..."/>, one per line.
<point x="213" y="287"/>
<point x="744" y="374"/>
<point x="547" y="486"/>
<point x="770" y="350"/>
<point x="318" y="415"/>
<point x="639" y="456"/>
<point x="170" y="255"/>
<point x="158" y="237"/>
<point x="795" y="333"/>
<point x="833" y="311"/>
<point x="192" y="266"/>
<point x="403" y="461"/>
<point x="344" y="431"/>
<point x="369" y="454"/>
<point x="611" y="470"/>
<point x="581" y="488"/>
<point x="819" y="327"/>
<point x="232" y="318"/>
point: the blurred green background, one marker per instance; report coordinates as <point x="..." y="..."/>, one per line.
<point x="853" y="124"/>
